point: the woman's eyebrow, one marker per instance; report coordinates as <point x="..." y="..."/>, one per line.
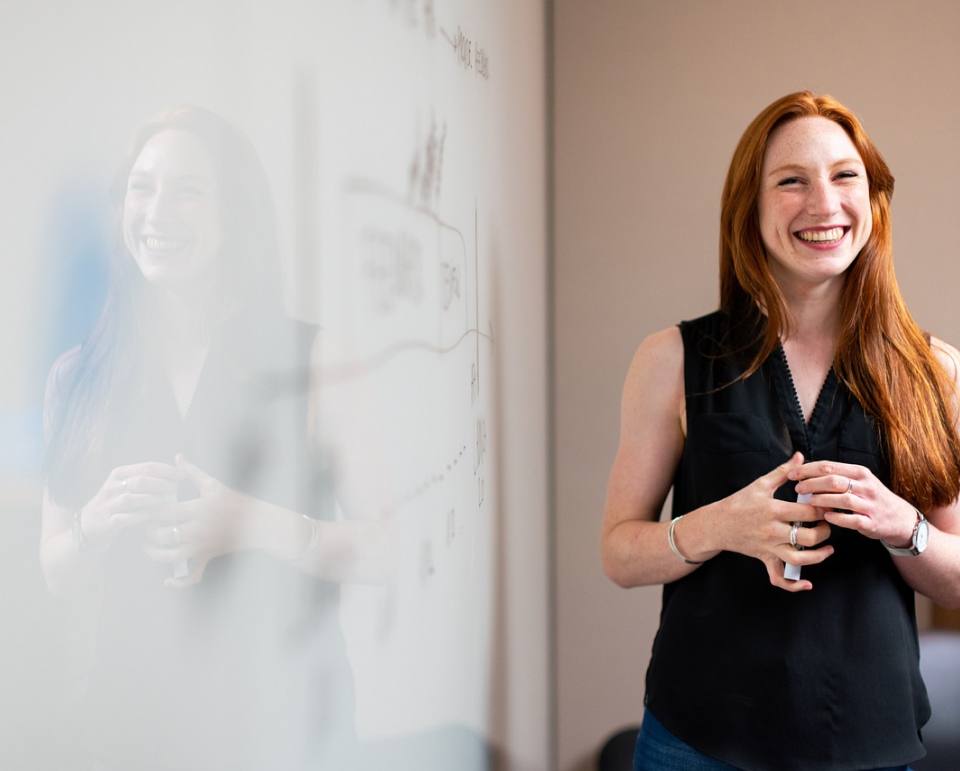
<point x="787" y="167"/>
<point x="187" y="177"/>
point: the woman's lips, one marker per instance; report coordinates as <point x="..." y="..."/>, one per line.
<point x="822" y="236"/>
<point x="164" y="243"/>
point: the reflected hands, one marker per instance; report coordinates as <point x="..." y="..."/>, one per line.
<point x="129" y="496"/>
<point x="194" y="532"/>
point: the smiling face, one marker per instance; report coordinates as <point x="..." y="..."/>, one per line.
<point x="171" y="210"/>
<point x="814" y="202"/>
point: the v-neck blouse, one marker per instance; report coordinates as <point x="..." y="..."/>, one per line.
<point x="248" y="668"/>
<point x="749" y="673"/>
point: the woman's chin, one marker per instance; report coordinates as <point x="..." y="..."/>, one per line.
<point x="168" y="273"/>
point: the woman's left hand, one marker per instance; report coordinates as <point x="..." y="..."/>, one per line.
<point x="191" y="533"/>
<point x="852" y="497"/>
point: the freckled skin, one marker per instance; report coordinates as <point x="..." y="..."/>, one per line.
<point x="813" y="179"/>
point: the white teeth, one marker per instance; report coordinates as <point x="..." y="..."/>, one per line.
<point x="160" y="244"/>
<point x="821" y="236"/>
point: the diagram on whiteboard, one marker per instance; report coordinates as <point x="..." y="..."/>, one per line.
<point x="405" y="279"/>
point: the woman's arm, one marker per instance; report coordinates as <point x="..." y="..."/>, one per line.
<point x="360" y="548"/>
<point x="878" y="513"/>
<point x="223" y="521"/>
<point x="634" y="545"/>
<point x="74" y="540"/>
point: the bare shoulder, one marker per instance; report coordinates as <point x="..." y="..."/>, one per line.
<point x="655" y="380"/>
<point x="947" y="355"/>
<point x="661" y="351"/>
<point x="658" y="359"/>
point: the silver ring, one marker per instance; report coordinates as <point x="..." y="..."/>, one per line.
<point x="793" y="535"/>
<point x="176" y="534"/>
<point x="849" y="486"/>
<point x="123" y="483"/>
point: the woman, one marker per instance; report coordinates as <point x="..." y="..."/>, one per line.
<point x="812" y="381"/>
<point x="184" y="489"/>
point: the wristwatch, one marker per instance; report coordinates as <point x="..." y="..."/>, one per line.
<point x="921" y="531"/>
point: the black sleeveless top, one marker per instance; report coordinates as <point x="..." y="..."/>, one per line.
<point x="748" y="673"/>
<point x="247" y="669"/>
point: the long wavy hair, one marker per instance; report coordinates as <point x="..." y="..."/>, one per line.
<point x="103" y="374"/>
<point x="882" y="356"/>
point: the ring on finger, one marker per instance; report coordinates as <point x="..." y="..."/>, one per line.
<point x="123" y="484"/>
<point x="793" y="535"/>
<point x="176" y="535"/>
<point x="849" y="486"/>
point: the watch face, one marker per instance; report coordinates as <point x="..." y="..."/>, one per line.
<point x="920" y="541"/>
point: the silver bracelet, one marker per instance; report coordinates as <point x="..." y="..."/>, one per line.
<point x="314" y="537"/>
<point x="673" y="545"/>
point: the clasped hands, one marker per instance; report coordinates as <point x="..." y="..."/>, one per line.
<point x="187" y="533"/>
<point x="841" y="494"/>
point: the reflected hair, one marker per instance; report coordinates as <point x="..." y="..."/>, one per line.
<point x="882" y="355"/>
<point x="97" y="378"/>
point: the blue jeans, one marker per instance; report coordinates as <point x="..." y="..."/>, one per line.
<point x="659" y="750"/>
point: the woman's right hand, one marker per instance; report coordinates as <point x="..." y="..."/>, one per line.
<point x="756" y="524"/>
<point x="130" y="495"/>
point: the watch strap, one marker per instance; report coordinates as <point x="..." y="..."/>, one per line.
<point x="911" y="550"/>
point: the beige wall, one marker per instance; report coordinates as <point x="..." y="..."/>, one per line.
<point x="650" y="99"/>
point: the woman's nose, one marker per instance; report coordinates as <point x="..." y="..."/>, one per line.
<point x="160" y="206"/>
<point x="823" y="199"/>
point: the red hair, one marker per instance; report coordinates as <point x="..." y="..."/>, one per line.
<point x="882" y="356"/>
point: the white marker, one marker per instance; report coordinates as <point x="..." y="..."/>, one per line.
<point x="181" y="568"/>
<point x="792" y="572"/>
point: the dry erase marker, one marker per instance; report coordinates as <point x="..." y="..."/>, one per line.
<point x="181" y="568"/>
<point x="792" y="572"/>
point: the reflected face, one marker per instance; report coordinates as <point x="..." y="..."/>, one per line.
<point x="814" y="203"/>
<point x="171" y="210"/>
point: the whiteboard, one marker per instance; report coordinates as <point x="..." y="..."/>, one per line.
<point x="405" y="142"/>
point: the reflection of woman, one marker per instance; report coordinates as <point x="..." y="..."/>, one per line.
<point x="812" y="363"/>
<point x="179" y="459"/>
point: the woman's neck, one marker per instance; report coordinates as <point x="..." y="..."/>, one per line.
<point x="814" y="314"/>
<point x="181" y="343"/>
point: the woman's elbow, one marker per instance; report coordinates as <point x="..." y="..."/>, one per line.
<point x="614" y="568"/>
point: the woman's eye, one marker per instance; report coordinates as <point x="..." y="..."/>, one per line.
<point x="847" y="175"/>
<point x="788" y="181"/>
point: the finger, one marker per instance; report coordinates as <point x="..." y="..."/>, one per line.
<point x="775" y="573"/>
<point x="179" y="512"/>
<point x="127" y="519"/>
<point x="804" y="557"/>
<point x="148" y="469"/>
<point x="197" y="568"/>
<point x="831" y="484"/>
<point x="148" y="484"/>
<point x="168" y="555"/>
<point x="166" y="535"/>
<point x="799" y="512"/>
<point x="850" y="521"/>
<point x="129" y="502"/>
<point x="191" y="472"/>
<point x="824" y="468"/>
<point x="776" y="477"/>
<point x="809" y="537"/>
